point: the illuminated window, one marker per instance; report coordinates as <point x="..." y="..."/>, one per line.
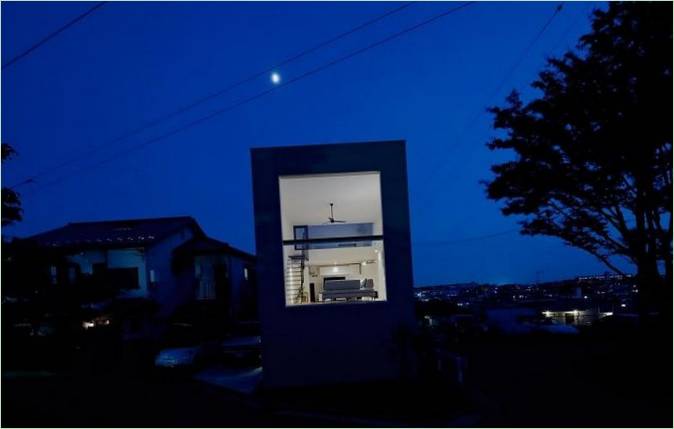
<point x="333" y="243"/>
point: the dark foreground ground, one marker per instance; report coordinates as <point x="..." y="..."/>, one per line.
<point x="116" y="401"/>
<point x="622" y="380"/>
<point x="61" y="401"/>
<point x="573" y="382"/>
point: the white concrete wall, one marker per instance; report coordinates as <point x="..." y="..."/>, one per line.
<point x="339" y="343"/>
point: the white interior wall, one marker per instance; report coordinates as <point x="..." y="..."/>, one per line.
<point x="343" y="260"/>
<point x="305" y="200"/>
<point x="381" y="272"/>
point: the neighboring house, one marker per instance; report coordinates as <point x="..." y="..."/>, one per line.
<point x="169" y="261"/>
<point x="219" y="273"/>
<point x="334" y="262"/>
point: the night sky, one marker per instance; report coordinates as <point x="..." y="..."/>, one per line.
<point x="129" y="63"/>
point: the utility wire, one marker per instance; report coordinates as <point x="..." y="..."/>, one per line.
<point x="465" y="239"/>
<point x="506" y="77"/>
<point x="213" y="95"/>
<point x="469" y="124"/>
<point x="525" y="53"/>
<point x="247" y="100"/>
<point x="585" y="13"/>
<point x="53" y="34"/>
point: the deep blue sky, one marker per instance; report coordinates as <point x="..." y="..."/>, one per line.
<point x="128" y="63"/>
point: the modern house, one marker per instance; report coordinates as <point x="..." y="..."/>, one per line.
<point x="334" y="262"/>
<point x="169" y="261"/>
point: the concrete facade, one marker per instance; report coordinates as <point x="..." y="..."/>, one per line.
<point x="341" y="342"/>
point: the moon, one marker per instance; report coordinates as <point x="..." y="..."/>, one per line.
<point x="275" y="78"/>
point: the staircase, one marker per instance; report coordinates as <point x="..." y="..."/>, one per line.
<point x="295" y="279"/>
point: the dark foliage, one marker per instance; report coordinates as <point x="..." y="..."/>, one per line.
<point x="11" y="205"/>
<point x="593" y="161"/>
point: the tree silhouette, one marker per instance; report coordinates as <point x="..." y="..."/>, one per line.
<point x="11" y="205"/>
<point x="593" y="161"/>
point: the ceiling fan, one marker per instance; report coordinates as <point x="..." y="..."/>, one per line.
<point x="331" y="218"/>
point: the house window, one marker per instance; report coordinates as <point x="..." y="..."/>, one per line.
<point x="206" y="288"/>
<point x="208" y="278"/>
<point x="333" y="242"/>
<point x="53" y="274"/>
<point x="72" y="275"/>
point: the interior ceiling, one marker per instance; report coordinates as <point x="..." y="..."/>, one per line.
<point x="305" y="200"/>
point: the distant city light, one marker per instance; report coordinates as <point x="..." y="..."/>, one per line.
<point x="275" y="78"/>
<point x="623" y="305"/>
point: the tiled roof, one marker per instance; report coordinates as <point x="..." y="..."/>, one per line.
<point x="206" y="245"/>
<point x="116" y="233"/>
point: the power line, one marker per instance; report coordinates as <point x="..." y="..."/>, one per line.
<point x="53" y="34"/>
<point x="497" y="90"/>
<point x="584" y="13"/>
<point x="526" y="51"/>
<point x="465" y="239"/>
<point x="213" y="95"/>
<point x="266" y="92"/>
<point x="506" y="77"/>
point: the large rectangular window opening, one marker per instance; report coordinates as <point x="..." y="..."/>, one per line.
<point x="333" y="243"/>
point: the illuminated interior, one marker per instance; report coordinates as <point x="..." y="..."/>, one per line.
<point x="333" y="244"/>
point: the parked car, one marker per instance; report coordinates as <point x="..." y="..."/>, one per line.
<point x="184" y="349"/>
<point x="240" y="350"/>
<point x="187" y="358"/>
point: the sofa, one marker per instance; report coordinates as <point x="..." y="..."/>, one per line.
<point x="348" y="289"/>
